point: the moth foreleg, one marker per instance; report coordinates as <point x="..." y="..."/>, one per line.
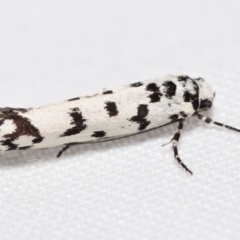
<point x="63" y="150"/>
<point x="174" y="142"/>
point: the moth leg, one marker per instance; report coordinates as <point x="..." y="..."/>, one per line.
<point x="63" y="150"/>
<point x="209" y="121"/>
<point x="174" y="141"/>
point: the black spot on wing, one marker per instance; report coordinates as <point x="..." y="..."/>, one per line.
<point x="140" y="118"/>
<point x="195" y="103"/>
<point x="78" y="123"/>
<point x="137" y="84"/>
<point x="9" y="144"/>
<point x="98" y="134"/>
<point x="73" y="99"/>
<point x="111" y="108"/>
<point x="187" y="96"/>
<point x="108" y="92"/>
<point x="156" y="95"/>
<point x="37" y="140"/>
<point x="192" y="97"/>
<point x="174" y="117"/>
<point x="170" y="89"/>
<point x="8" y="109"/>
<point x="152" y="87"/>
<point x="24" y="127"/>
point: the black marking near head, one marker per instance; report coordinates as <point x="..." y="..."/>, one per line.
<point x="192" y="97"/>
<point x="73" y="99"/>
<point x="140" y="118"/>
<point x="23" y="128"/>
<point x="205" y="104"/>
<point x="156" y="95"/>
<point x="98" y="134"/>
<point x="77" y="120"/>
<point x="137" y="84"/>
<point x="107" y="92"/>
<point x="111" y="108"/>
<point x="170" y="89"/>
<point x="199" y="79"/>
<point x="183" y="80"/>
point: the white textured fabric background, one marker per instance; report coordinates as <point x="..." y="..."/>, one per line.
<point x="130" y="188"/>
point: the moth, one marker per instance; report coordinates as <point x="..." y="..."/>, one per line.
<point x="109" y="115"/>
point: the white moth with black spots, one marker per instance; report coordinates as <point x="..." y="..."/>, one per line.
<point x="108" y="115"/>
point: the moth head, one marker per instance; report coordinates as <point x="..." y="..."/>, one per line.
<point x="206" y="94"/>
